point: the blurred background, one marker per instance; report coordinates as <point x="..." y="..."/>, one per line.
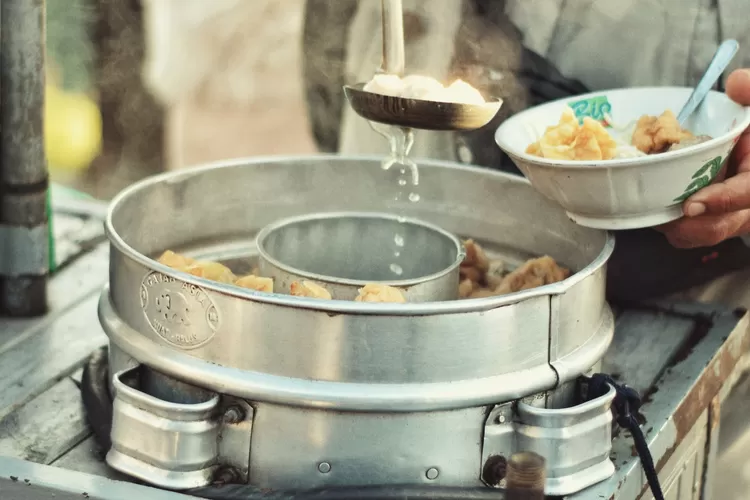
<point x="105" y="129"/>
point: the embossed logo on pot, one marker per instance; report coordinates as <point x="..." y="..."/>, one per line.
<point x="180" y="313"/>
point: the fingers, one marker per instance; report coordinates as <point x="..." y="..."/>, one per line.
<point x="707" y="230"/>
<point x="738" y="86"/>
<point x="742" y="152"/>
<point x="738" y="89"/>
<point x="728" y="196"/>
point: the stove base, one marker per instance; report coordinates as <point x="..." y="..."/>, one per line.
<point x="583" y="431"/>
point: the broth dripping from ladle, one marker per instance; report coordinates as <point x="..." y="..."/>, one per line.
<point x="400" y="141"/>
<point x="401" y="137"/>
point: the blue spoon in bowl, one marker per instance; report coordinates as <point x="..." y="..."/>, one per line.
<point x="723" y="56"/>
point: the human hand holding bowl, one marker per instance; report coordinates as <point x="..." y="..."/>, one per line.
<point x="722" y="210"/>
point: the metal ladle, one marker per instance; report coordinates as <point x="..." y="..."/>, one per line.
<point x="723" y="56"/>
<point x="407" y="112"/>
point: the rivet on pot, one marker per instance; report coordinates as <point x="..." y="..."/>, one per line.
<point x="324" y="467"/>
<point x="225" y="475"/>
<point x="432" y="473"/>
<point x="233" y="415"/>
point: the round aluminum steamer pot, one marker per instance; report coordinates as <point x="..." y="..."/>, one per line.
<point x="343" y="355"/>
<point x="343" y="252"/>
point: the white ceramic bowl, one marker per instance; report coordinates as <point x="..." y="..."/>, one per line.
<point x="626" y="193"/>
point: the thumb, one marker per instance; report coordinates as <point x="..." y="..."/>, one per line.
<point x="728" y="196"/>
<point x="738" y="86"/>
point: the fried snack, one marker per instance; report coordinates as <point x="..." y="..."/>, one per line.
<point x="475" y="256"/>
<point x="533" y="273"/>
<point x="495" y="274"/>
<point x="203" y="269"/>
<point x="373" y="292"/>
<point x="466" y="288"/>
<point x="475" y="263"/>
<point x="479" y="276"/>
<point x="309" y="289"/>
<point x="657" y="134"/>
<point x="257" y="283"/>
<point x="569" y="140"/>
<point x="470" y="273"/>
<point x="211" y="271"/>
<point x="175" y="260"/>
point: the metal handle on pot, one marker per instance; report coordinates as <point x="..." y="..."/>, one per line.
<point x="170" y="445"/>
<point x="575" y="442"/>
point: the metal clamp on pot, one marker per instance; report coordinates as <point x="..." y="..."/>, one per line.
<point x="175" y="443"/>
<point x="575" y="442"/>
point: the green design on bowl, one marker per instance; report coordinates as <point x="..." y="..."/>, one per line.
<point x="702" y="178"/>
<point x="597" y="107"/>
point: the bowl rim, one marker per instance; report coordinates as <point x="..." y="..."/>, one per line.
<point x="511" y="151"/>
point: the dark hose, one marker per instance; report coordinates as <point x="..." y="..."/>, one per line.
<point x="97" y="403"/>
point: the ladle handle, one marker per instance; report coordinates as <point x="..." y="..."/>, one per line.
<point x="394" y="57"/>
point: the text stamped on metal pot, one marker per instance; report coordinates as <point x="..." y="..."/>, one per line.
<point x="180" y="313"/>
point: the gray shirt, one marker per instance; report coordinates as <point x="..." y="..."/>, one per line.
<point x="621" y="43"/>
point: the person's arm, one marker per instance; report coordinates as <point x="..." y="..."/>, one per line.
<point x="490" y="55"/>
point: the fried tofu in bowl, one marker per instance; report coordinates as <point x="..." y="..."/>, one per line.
<point x="619" y="159"/>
